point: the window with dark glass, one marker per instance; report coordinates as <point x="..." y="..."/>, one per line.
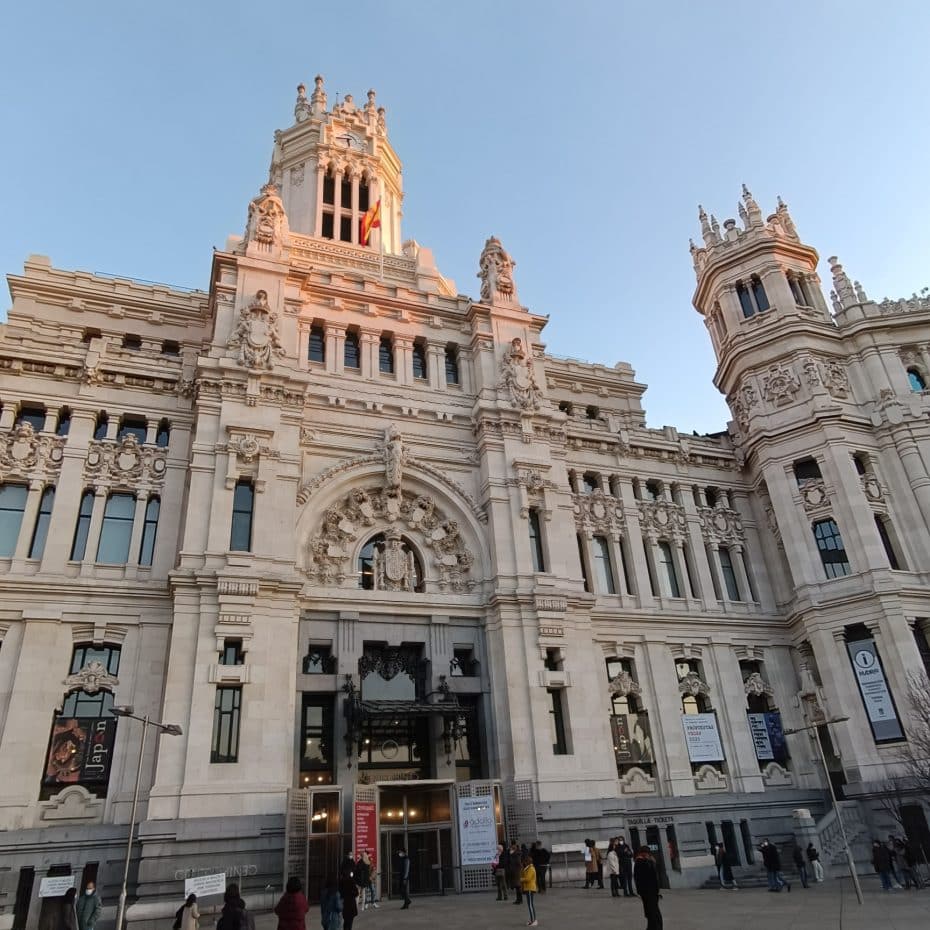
<point x="758" y="292"/>
<point x="629" y="723"/>
<point x="729" y="573"/>
<point x="859" y="461"/>
<point x="316" y="758"/>
<point x="149" y="531"/>
<point x="745" y="301"/>
<point x="319" y="660"/>
<point x="233" y="653"/>
<point x="890" y="553"/>
<point x="43" y="519"/>
<point x="99" y="703"/>
<point x="806" y="470"/>
<point x="345" y="229"/>
<point x="116" y="531"/>
<point x="346" y="193"/>
<point x="463" y="664"/>
<point x="553" y="662"/>
<point x="132" y="342"/>
<point x="916" y="380"/>
<point x="584" y="564"/>
<point x="667" y="564"/>
<point x="830" y="545"/>
<point x="386" y="355"/>
<point x="557" y="722"/>
<point x="12" y="506"/>
<point x="90" y="333"/>
<point x="132" y="426"/>
<point x="170" y="348"/>
<point x="34" y="416"/>
<point x="363" y="196"/>
<point x="100" y="426"/>
<point x="592" y="412"/>
<point x="328" y="226"/>
<point x="163" y="434"/>
<point x="653" y="491"/>
<point x="691" y="703"/>
<point x="240" y="536"/>
<point x="224" y="745"/>
<point x="63" y="426"/>
<point x="796" y="290"/>
<point x="352" y="354"/>
<point x="329" y="188"/>
<point x="316" y="348"/>
<point x="452" y="365"/>
<point x="419" y="360"/>
<point x="566" y="407"/>
<point x="536" y="541"/>
<point x="589" y="482"/>
<point x="79" y="544"/>
<point x="603" y="566"/>
<point x="85" y="653"/>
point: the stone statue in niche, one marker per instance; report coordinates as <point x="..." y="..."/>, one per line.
<point x="256" y="334"/>
<point x="518" y="378"/>
<point x="395" y="457"/>
<point x="496" y="272"/>
<point x="267" y="222"/>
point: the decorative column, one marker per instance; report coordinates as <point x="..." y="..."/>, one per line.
<point x="151" y="431"/>
<point x="369" y="342"/>
<point x="636" y="540"/>
<point x="681" y="569"/>
<point x="112" y="428"/>
<point x="436" y="366"/>
<point x="403" y="359"/>
<point x="335" y="348"/>
<point x="355" y="214"/>
<point x="318" y="206"/>
<point x="668" y="737"/>
<point x="742" y="579"/>
<point x="337" y="206"/>
<point x="8" y="414"/>
<point x="794" y="527"/>
<point x="51" y="421"/>
<point x="93" y="531"/>
<point x="138" y="521"/>
<point x="702" y="565"/>
<point x="33" y="498"/>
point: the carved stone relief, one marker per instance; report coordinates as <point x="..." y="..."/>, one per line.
<point x="693" y="684"/>
<point x="721" y="525"/>
<point x="756" y="684"/>
<point x="814" y="495"/>
<point x="662" y="519"/>
<point x="256" y="334"/>
<point x="125" y="463"/>
<point x="496" y="273"/>
<point x="598" y="512"/>
<point x="27" y="454"/>
<point x="518" y="378"/>
<point x="267" y="221"/>
<point x="92" y="678"/>
<point x="780" y="385"/>
<point x="624" y="684"/>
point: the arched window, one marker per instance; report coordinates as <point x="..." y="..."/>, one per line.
<point x="629" y="723"/>
<point x="916" y="380"/>
<point x="79" y="545"/>
<point x="363" y="195"/>
<point x="163" y="434"/>
<point x="390" y="563"/>
<point x="758" y="293"/>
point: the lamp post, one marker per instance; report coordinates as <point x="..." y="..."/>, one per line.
<point x="839" y="815"/>
<point x="172" y="729"/>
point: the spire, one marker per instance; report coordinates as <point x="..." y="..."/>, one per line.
<point x="743" y="215"/>
<point x="785" y="219"/>
<point x="318" y="98"/>
<point x="752" y="209"/>
<point x="302" y="107"/>
<point x="715" y="226"/>
<point x="710" y="237"/>
<point x="841" y="284"/>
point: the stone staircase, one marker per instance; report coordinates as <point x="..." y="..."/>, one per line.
<point x="748" y="877"/>
<point x="832" y="851"/>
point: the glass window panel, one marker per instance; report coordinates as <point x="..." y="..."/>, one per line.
<point x="452" y="365"/>
<point x="43" y="519"/>
<point x="729" y="574"/>
<point x="79" y="546"/>
<point x="603" y="566"/>
<point x="34" y="416"/>
<point x="916" y="380"/>
<point x="316" y="350"/>
<point x="240" y="536"/>
<point x="149" y="531"/>
<point x="536" y="543"/>
<point x="352" y="353"/>
<point x="12" y="505"/>
<point x="386" y="356"/>
<point x="419" y="361"/>
<point x="116" y="531"/>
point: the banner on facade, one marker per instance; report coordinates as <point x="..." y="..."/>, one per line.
<point x="55" y="886"/>
<point x="879" y="705"/>
<point x="632" y="740"/>
<point x="477" y="830"/>
<point x="80" y="751"/>
<point x="768" y="737"/>
<point x="203" y="885"/>
<point x="365" y="831"/>
<point x="702" y="737"/>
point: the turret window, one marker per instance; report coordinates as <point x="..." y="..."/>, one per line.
<point x="363" y="196"/>
<point x="752" y="297"/>
<point x="745" y="301"/>
<point x="386" y="355"/>
<point x="316" y="348"/>
<point x="352" y="355"/>
<point x="452" y="364"/>
<point x="419" y="361"/>
<point x="916" y="380"/>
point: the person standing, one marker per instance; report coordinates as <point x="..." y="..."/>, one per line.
<point x="647" y="887"/>
<point x="188" y="917"/>
<point x="363" y="877"/>
<point x="541" y="862"/>
<point x="330" y="905"/>
<point x="909" y="869"/>
<point x="499" y="871"/>
<point x="813" y="857"/>
<point x="349" y="893"/>
<point x="404" y="876"/>
<point x="514" y="870"/>
<point x="892" y="848"/>
<point x="881" y="861"/>
<point x="797" y="854"/>
<point x="292" y="907"/>
<point x="625" y="854"/>
<point x="724" y="869"/>
<point x="528" y="887"/>
<point x="68" y="919"/>
<point x="88" y="907"/>
<point x="772" y="861"/>
<point x="612" y="866"/>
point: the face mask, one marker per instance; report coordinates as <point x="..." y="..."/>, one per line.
<point x="89" y="891"/>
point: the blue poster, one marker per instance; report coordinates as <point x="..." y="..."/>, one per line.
<point x="776" y="736"/>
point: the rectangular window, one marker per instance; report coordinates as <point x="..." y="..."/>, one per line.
<point x="452" y="365"/>
<point x="463" y="664"/>
<point x="232" y="653"/>
<point x="329" y="189"/>
<point x="536" y="542"/>
<point x="79" y="545"/>
<point x="226" y="709"/>
<point x="729" y="574"/>
<point x="386" y="356"/>
<point x="557" y="722"/>
<point x="113" y="548"/>
<point x="885" y="537"/>
<point x="316" y="758"/>
<point x="345" y="229"/>
<point x="806" y="470"/>
<point x="352" y="354"/>
<point x="12" y="505"/>
<point x="319" y="660"/>
<point x="149" y="531"/>
<point x="107" y="656"/>
<point x="132" y="426"/>
<point x="668" y="568"/>
<point x="34" y="416"/>
<point x="240" y="536"/>
<point x="327" y="230"/>
<point x="419" y="361"/>
<point x="603" y="566"/>
<point x="584" y="564"/>
<point x="43" y="518"/>
<point x="316" y="348"/>
<point x="830" y="545"/>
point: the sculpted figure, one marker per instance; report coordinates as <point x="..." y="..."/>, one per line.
<point x="518" y="378"/>
<point x="395" y="457"/>
<point x="496" y="272"/>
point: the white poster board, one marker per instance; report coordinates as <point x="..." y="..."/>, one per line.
<point x="477" y="830"/>
<point x="702" y="737"/>
<point x="55" y="886"/>
<point x="203" y="885"/>
<point x="873" y="687"/>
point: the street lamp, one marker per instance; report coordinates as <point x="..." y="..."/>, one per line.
<point x="839" y="814"/>
<point x="173" y="730"/>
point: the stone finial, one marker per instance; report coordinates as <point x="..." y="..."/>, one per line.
<point x="841" y="284"/>
<point x="861" y="295"/>
<point x="302" y="107"/>
<point x="382" y="126"/>
<point x="318" y="97"/>
<point x="835" y="300"/>
<point x="710" y="238"/>
<point x="785" y="219"/>
<point x="743" y="215"/>
<point x="715" y="226"/>
<point x="752" y="208"/>
<point x="496" y="273"/>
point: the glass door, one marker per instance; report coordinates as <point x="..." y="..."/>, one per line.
<point x="424" y="861"/>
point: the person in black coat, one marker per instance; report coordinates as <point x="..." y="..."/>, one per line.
<point x="540" y="856"/>
<point x="772" y="861"/>
<point x="647" y="887"/>
<point x="625" y="855"/>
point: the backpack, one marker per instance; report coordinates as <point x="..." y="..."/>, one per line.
<point x="179" y="914"/>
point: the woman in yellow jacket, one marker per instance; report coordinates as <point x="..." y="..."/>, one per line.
<point x="528" y="886"/>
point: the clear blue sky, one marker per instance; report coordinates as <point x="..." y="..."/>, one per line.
<point x="583" y="134"/>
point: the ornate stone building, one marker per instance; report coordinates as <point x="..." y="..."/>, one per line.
<point x="377" y="553"/>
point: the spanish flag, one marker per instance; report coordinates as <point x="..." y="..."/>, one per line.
<point x="371" y="220"/>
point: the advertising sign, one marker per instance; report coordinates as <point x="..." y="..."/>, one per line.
<point x="702" y="737"/>
<point x="632" y="741"/>
<point x="203" y="885"/>
<point x="80" y="751"/>
<point x="55" y="886"/>
<point x="477" y="830"/>
<point x="873" y="687"/>
<point x="768" y="736"/>
<point x="365" y="823"/>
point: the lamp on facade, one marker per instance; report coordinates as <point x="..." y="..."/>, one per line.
<point x="812" y="728"/>
<point x="172" y="729"/>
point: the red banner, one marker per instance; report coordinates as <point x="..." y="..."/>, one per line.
<point x="366" y="831"/>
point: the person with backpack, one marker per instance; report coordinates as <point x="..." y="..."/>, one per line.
<point x="187" y="916"/>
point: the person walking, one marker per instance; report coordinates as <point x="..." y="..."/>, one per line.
<point x="330" y="904"/>
<point x="724" y="869"/>
<point x="232" y="916"/>
<point x="348" y="890"/>
<point x="368" y="887"/>
<point x="404" y="866"/>
<point x="528" y="887"/>
<point x="514" y="870"/>
<point x="541" y="859"/>
<point x="909" y="868"/>
<point x="592" y="865"/>
<point x="892" y="848"/>
<point x="647" y="887"/>
<point x="881" y="861"/>
<point x="625" y="854"/>
<point x="612" y="867"/>
<point x="68" y="919"/>
<point x="187" y="916"/>
<point x="291" y="909"/>
<point x="88" y="907"/>
<point x="797" y="856"/>
<point x="499" y="871"/>
<point x="772" y="861"/>
<point x="813" y="857"/>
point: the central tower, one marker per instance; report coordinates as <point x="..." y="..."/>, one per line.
<point x="332" y="165"/>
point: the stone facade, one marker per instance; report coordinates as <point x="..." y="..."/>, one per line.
<point x="345" y="525"/>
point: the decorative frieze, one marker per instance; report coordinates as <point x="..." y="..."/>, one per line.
<point x="662" y="520"/>
<point x="721" y="525"/>
<point x="126" y="463"/>
<point x="24" y="453"/>
<point x="598" y="512"/>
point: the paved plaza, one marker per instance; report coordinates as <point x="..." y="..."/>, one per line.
<point x="831" y="906"/>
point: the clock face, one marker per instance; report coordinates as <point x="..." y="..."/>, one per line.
<point x="350" y="140"/>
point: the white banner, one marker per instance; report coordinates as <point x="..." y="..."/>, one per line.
<point x="202" y="885"/>
<point x="55" y="886"/>
<point x="702" y="737"/>
<point x="874" y="690"/>
<point x="477" y="830"/>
